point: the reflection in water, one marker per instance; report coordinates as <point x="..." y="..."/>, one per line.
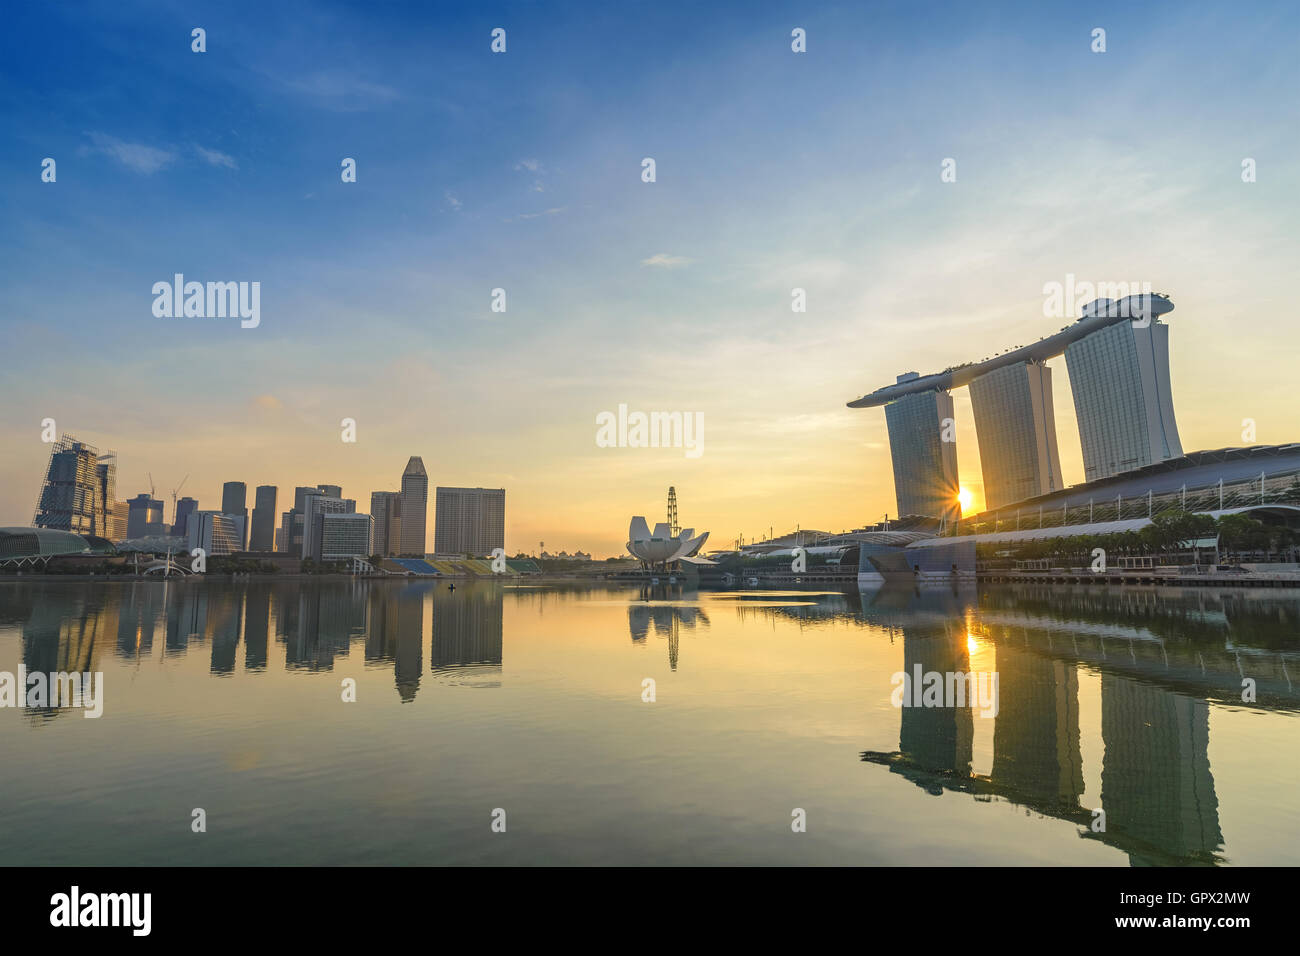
<point x="1161" y="660"/>
<point x="1116" y="687"/>
<point x="316" y="623"/>
<point x="467" y="636"/>
<point x="396" y="629"/>
<point x="667" y="620"/>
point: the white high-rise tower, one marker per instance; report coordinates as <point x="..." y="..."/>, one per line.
<point x="415" y="507"/>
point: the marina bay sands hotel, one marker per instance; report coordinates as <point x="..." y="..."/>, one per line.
<point x="1117" y="355"/>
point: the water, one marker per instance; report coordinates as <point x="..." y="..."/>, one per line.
<point x="529" y="699"/>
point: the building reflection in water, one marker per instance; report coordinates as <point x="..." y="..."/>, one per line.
<point x="257" y="626"/>
<point x="1157" y="659"/>
<point x="1161" y="660"/>
<point x="136" y="619"/>
<point x="395" y="632"/>
<point x="65" y="626"/>
<point x="665" y="620"/>
<point x="467" y="635"/>
<point x="328" y="618"/>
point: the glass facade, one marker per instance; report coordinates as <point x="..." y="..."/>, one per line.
<point x="79" y="489"/>
<point x="317" y="507"/>
<point x="1119" y="376"/>
<point x="343" y="536"/>
<point x="1016" y="425"/>
<point x="386" y="510"/>
<point x="234" y="501"/>
<point x="925" y="466"/>
<point x="144" y="517"/>
<point x="262" y="536"/>
<point x="216" y="533"/>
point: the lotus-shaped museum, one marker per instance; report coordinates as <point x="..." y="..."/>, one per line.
<point x="660" y="546"/>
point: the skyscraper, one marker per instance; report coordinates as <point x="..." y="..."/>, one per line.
<point x="1122" y="398"/>
<point x="117" y="521"/>
<point x="234" y="501"/>
<point x="469" y="521"/>
<point x="291" y="522"/>
<point x="315" y="507"/>
<point x="1117" y="354"/>
<point x="106" y="475"/>
<point x="144" y="517"/>
<point x="79" y="489"/>
<point x="262" y="536"/>
<point x="415" y="507"/>
<point x="343" y="536"/>
<point x="215" y="532"/>
<point x="184" y="508"/>
<point x="925" y="466"/>
<point x="386" y="509"/>
<point x="1017" y="432"/>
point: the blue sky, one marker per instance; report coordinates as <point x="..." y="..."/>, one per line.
<point x="522" y="171"/>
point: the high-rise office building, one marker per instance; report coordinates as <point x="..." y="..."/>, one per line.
<point x="1122" y="398"/>
<point x="315" y="507"/>
<point x="386" y="510"/>
<point x="291" y="522"/>
<point x="1017" y="433"/>
<point x="469" y="521"/>
<point x="262" y="536"/>
<point x="234" y="501"/>
<point x="79" y="490"/>
<point x="181" y="520"/>
<point x="117" y="521"/>
<point x="925" y="465"/>
<point x="330" y="491"/>
<point x="344" y="536"/>
<point x="215" y="532"/>
<point x="106" y="475"/>
<point x="144" y="517"/>
<point x="415" y="507"/>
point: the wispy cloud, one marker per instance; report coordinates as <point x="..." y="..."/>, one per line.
<point x="532" y="166"/>
<point x="662" y="260"/>
<point x="137" y="157"/>
<point x="216" y="158"/>
<point x="341" y="91"/>
<point x="544" y="212"/>
<point x="452" y="201"/>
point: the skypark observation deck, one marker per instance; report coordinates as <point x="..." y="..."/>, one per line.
<point x="1117" y="354"/>
<point x="1098" y="315"/>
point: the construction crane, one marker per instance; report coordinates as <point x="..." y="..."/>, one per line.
<point x="150" y="474"/>
<point x="175" y="491"/>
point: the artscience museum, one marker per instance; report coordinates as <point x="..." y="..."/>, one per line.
<point x="661" y="548"/>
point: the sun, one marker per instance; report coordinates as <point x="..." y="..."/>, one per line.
<point x="964" y="498"/>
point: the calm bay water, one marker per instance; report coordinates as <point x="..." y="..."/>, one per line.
<point x="228" y="697"/>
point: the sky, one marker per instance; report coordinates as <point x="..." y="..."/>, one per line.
<point x="522" y="171"/>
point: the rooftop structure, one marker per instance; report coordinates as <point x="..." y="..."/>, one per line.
<point x="1117" y="354"/>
